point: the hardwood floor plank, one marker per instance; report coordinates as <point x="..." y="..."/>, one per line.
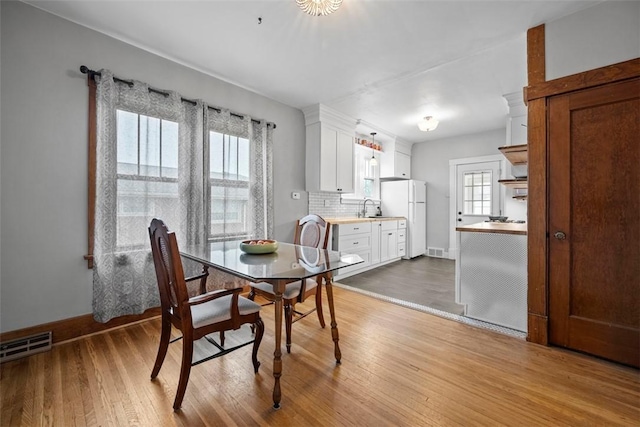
<point x="399" y="367"/>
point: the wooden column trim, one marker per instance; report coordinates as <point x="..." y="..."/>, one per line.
<point x="604" y="75"/>
<point x="537" y="221"/>
<point x="91" y="167"/>
<point x="536" y="65"/>
<point x="537" y="290"/>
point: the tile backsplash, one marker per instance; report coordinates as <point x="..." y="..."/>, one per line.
<point x="329" y="205"/>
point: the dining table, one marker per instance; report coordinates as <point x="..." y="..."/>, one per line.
<point x="288" y="263"/>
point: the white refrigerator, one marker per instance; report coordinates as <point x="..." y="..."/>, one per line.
<point x="408" y="199"/>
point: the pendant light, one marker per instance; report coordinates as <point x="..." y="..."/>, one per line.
<point x="373" y="161"/>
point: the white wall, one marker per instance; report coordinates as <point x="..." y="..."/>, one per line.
<point x="430" y="163"/>
<point x="44" y="155"/>
<point x="601" y="35"/>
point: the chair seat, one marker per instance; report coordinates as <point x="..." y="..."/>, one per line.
<point x="219" y="310"/>
<point x="291" y="291"/>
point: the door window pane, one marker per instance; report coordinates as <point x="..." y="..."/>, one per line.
<point x="477" y="193"/>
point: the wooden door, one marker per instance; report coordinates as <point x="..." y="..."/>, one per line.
<point x="594" y="221"/>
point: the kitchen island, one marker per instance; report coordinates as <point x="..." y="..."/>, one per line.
<point x="491" y="273"/>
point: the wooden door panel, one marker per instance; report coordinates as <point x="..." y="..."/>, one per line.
<point x="594" y="199"/>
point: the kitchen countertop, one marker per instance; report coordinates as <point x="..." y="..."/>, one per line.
<point x="495" y="227"/>
<point x="351" y="220"/>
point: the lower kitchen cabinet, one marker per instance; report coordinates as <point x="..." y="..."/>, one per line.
<point x="376" y="242"/>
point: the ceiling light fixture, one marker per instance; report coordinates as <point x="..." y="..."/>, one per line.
<point x="319" y="7"/>
<point x="373" y="161"/>
<point x="428" y="124"/>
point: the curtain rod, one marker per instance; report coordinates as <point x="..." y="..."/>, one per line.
<point x="91" y="73"/>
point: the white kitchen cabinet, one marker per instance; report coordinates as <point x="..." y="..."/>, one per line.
<point x="388" y="240"/>
<point x="402" y="241"/>
<point x="329" y="151"/>
<point x="375" y="241"/>
<point x="353" y="238"/>
<point x="395" y="163"/>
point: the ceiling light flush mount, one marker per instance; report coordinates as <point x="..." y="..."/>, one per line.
<point x="373" y="161"/>
<point x="319" y="7"/>
<point x="428" y="124"/>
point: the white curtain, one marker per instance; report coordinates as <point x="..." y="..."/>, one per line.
<point x="132" y="188"/>
<point x="259" y="133"/>
<point x="124" y="276"/>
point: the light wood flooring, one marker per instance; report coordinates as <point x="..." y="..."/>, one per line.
<point x="400" y="367"/>
<point x="423" y="280"/>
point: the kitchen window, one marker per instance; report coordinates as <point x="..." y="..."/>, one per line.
<point x="367" y="176"/>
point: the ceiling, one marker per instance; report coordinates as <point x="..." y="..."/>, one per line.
<point x="386" y="63"/>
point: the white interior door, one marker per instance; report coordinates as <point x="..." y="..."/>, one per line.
<point x="475" y="193"/>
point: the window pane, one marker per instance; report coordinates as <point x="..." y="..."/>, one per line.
<point x="215" y="155"/>
<point x="486" y="208"/>
<point x="127" y="142"/>
<point x="228" y="210"/>
<point x="149" y="146"/>
<point x="169" y="149"/>
<point x="486" y="178"/>
<point x="368" y="188"/>
<point x="477" y="208"/>
<point x="468" y="208"/>
<point x="138" y="203"/>
<point x="468" y="179"/>
<point x="477" y="193"/>
<point x="243" y="159"/>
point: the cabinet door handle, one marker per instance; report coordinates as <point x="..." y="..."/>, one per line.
<point x="390" y="234"/>
<point x="355" y="243"/>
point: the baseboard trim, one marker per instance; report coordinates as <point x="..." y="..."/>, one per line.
<point x="75" y="327"/>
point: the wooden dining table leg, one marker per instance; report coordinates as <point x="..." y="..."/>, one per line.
<point x="278" y="289"/>
<point x="334" y="325"/>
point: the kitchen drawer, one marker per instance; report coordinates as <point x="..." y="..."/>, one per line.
<point x="401" y="250"/>
<point x="402" y="235"/>
<point x="349" y="243"/>
<point x="402" y="223"/>
<point x="389" y="225"/>
<point x="354" y="228"/>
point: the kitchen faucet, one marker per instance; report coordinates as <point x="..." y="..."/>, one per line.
<point x="364" y="208"/>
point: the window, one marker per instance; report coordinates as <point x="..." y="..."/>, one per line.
<point x="229" y="177"/>
<point x="367" y="177"/>
<point x="477" y="193"/>
<point x="147" y="175"/>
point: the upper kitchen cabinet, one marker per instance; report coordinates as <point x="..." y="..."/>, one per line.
<point x="396" y="161"/>
<point x="329" y="150"/>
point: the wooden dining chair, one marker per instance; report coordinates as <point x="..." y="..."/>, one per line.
<point x="313" y="231"/>
<point x="198" y="316"/>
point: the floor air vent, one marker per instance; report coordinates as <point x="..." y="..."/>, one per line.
<point x="435" y="252"/>
<point x="24" y="347"/>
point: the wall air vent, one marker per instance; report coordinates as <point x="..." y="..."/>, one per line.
<point x="23" y="347"/>
<point x="435" y="252"/>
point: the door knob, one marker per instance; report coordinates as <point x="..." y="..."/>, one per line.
<point x="460" y="219"/>
<point x="559" y="235"/>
